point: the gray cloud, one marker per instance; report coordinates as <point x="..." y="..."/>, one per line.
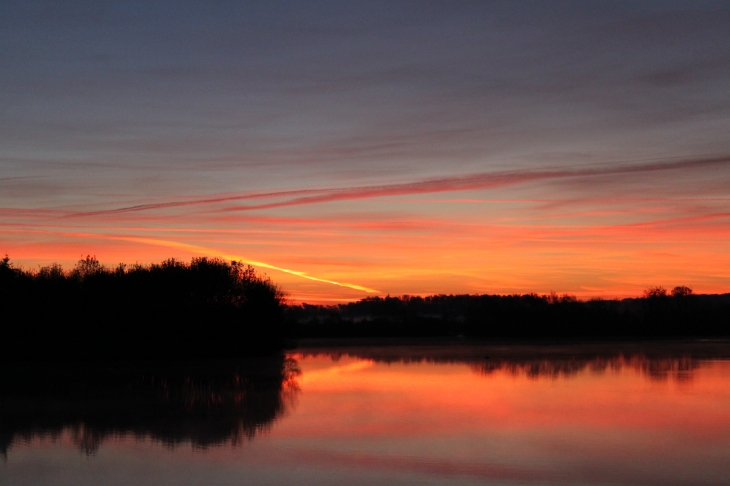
<point x="329" y="89"/>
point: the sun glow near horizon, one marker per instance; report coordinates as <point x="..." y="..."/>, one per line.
<point x="355" y="150"/>
<point x="611" y="249"/>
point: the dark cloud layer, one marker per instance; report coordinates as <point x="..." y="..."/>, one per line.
<point x="444" y="86"/>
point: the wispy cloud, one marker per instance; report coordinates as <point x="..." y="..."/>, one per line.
<point x="9" y="179"/>
<point x="476" y="181"/>
<point x="195" y="202"/>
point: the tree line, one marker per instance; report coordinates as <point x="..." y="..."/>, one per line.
<point x="659" y="313"/>
<point x="213" y="308"/>
<point x="205" y="308"/>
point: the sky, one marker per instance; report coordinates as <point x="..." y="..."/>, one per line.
<point x="357" y="149"/>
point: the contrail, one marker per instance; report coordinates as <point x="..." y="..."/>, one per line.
<point x="203" y="251"/>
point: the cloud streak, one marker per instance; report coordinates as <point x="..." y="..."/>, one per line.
<point x="477" y="181"/>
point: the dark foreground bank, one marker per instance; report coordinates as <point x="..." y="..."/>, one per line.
<point x="207" y="308"/>
<point x="210" y="308"/>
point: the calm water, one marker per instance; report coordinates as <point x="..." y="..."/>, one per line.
<point x="380" y="415"/>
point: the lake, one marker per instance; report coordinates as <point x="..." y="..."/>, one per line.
<point x="424" y="413"/>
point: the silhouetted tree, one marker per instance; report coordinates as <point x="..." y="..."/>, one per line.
<point x="87" y="267"/>
<point x="208" y="307"/>
<point x="681" y="291"/>
<point x="655" y="292"/>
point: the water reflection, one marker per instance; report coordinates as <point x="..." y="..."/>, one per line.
<point x="679" y="368"/>
<point x="655" y="361"/>
<point x="457" y="414"/>
<point x="203" y="403"/>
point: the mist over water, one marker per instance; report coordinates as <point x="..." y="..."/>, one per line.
<point x="388" y="414"/>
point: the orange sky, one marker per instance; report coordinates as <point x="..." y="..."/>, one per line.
<point x="354" y="151"/>
<point x="606" y="241"/>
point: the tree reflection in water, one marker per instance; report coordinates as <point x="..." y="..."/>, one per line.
<point x="657" y="361"/>
<point x="201" y="403"/>
<point x="677" y="368"/>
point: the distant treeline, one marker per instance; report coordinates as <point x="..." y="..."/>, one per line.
<point x="207" y="308"/>
<point x="658" y="314"/>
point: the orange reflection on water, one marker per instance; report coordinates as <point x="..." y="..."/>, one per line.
<point x="361" y="397"/>
<point x="448" y="415"/>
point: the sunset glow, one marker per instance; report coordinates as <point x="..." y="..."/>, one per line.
<point x="365" y="243"/>
<point x="348" y="153"/>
